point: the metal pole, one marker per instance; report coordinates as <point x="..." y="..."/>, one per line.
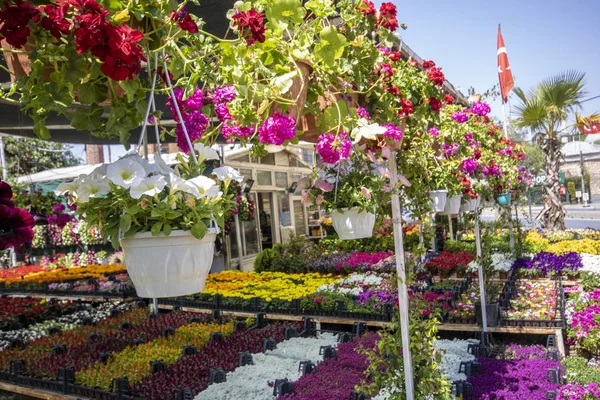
<point x="510" y="231"/>
<point x="480" y="271"/>
<point x="402" y="290"/>
<point x="155" y="305"/>
<point x="529" y="202"/>
<point x="450" y="227"/>
<point x="3" y="160"/>
<point x="584" y="202"/>
<point x="238" y="239"/>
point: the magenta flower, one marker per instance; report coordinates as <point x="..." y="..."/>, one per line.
<point x="6" y="194"/>
<point x="434" y="131"/>
<point x="323" y="185"/>
<point x="480" y="108"/>
<point x="460" y="117"/>
<point x="222" y="112"/>
<point x="232" y="131"/>
<point x="277" y="129"/>
<point x="332" y="148"/>
<point x="58" y="208"/>
<point x="224" y="94"/>
<point x="469" y="138"/>
<point x="195" y="124"/>
<point x="469" y="166"/>
<point x="363" y="113"/>
<point x="16" y="227"/>
<point x="393" y="132"/>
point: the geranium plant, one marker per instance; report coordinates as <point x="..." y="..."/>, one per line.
<point x="132" y="195"/>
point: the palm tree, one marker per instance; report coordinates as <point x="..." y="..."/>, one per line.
<point x="544" y="110"/>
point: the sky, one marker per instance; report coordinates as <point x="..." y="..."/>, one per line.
<point x="542" y="38"/>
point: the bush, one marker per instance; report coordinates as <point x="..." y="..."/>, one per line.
<point x="579" y="371"/>
<point x="367" y="245"/>
<point x="285" y="257"/>
<point x="455" y="245"/>
<point x="590" y="281"/>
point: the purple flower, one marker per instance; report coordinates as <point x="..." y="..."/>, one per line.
<point x="195" y="124"/>
<point x="363" y="113"/>
<point x="58" y="208"/>
<point x="222" y="112"/>
<point x="450" y="150"/>
<point x="393" y="132"/>
<point x="469" y="166"/>
<point x="16" y="227"/>
<point x="434" y="131"/>
<point x="332" y="148"/>
<point x="324" y="185"/>
<point x="224" y="94"/>
<point x="480" y="108"/>
<point x="460" y="117"/>
<point x="469" y="138"/>
<point x="232" y="131"/>
<point x="277" y="129"/>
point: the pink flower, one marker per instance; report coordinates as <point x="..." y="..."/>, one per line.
<point x="320" y="199"/>
<point x="323" y="185"/>
<point x="365" y="192"/>
<point x="332" y="148"/>
<point x="305" y="199"/>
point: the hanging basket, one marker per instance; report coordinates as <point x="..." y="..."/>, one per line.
<point x="503" y="199"/>
<point x="438" y="200"/>
<point x="168" y="266"/>
<point x="471" y="205"/>
<point x="352" y="223"/>
<point x="308" y="122"/>
<point x="452" y="205"/>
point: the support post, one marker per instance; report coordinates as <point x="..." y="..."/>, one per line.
<point x="3" y="159"/>
<point x="450" y="227"/>
<point x="238" y="239"/>
<point x="155" y="305"/>
<point x="511" y="231"/>
<point x="402" y="290"/>
<point x="480" y="271"/>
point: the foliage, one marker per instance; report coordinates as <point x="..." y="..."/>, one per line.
<point x="285" y="257"/>
<point x="590" y="281"/>
<point x="27" y="156"/>
<point x="369" y="245"/>
<point x="571" y="190"/>
<point x="456" y="245"/>
<point x="579" y="371"/>
<point x="534" y="158"/>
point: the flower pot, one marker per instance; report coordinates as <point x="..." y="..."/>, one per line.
<point x="438" y="200"/>
<point x="297" y="91"/>
<point x="452" y="205"/>
<point x="503" y="199"/>
<point x="352" y="224"/>
<point x="471" y="205"/>
<point x="168" y="266"/>
<point x="492" y="311"/>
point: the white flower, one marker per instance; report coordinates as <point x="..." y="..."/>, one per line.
<point x="148" y="168"/>
<point x="181" y="185"/>
<point x="366" y="130"/>
<point x="227" y="174"/>
<point x="205" y="185"/>
<point x="149" y="186"/>
<point x="205" y="152"/>
<point x="125" y="172"/>
<point x="101" y="170"/>
<point x="92" y="186"/>
<point x="161" y="166"/>
<point x="69" y="186"/>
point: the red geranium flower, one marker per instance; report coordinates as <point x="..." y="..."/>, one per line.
<point x="394" y="90"/>
<point x="407" y="106"/>
<point x="251" y="26"/>
<point x="89" y="6"/>
<point x="387" y="16"/>
<point x="90" y="34"/>
<point x="125" y="56"/>
<point x="184" y="21"/>
<point x="16" y="227"/>
<point x="413" y="63"/>
<point x="435" y="104"/>
<point x="55" y="21"/>
<point x="14" y="20"/>
<point x="428" y="64"/>
<point x="6" y="195"/>
<point x="436" y="75"/>
<point x="394" y="55"/>
<point x="449" y="99"/>
<point x="367" y="7"/>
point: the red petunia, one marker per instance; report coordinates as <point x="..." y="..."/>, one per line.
<point x="428" y="64"/>
<point x="435" y="104"/>
<point x="184" y="21"/>
<point x="367" y="7"/>
<point x="251" y="26"/>
<point x="16" y="227"/>
<point x="55" y="21"/>
<point x="14" y="20"/>
<point x="387" y="16"/>
<point x="6" y="194"/>
<point x="436" y="75"/>
<point x="449" y="99"/>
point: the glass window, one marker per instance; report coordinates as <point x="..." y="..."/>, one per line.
<point x="308" y="156"/>
<point x="250" y="234"/>
<point x="299" y="218"/>
<point x="269" y="159"/>
<point x="264" y="178"/>
<point x="281" y="179"/>
<point x="285" y="217"/>
<point x="246" y="173"/>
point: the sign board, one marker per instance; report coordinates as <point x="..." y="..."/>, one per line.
<point x="563" y="189"/>
<point x="586" y="196"/>
<point x="541" y="178"/>
<point x="578" y="194"/>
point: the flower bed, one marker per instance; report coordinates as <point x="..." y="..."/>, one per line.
<point x="64" y="323"/>
<point x="534" y="300"/>
<point x="26" y="311"/>
<point x="335" y="378"/>
<point x="549" y="264"/>
<point x="134" y="362"/>
<point x="453" y="353"/>
<point x="192" y="371"/>
<point x="449" y="262"/>
<point x="253" y="381"/>
<point x="583" y="321"/>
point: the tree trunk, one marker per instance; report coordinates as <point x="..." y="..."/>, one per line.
<point x="553" y="215"/>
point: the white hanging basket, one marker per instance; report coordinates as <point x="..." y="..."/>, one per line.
<point x="438" y="200"/>
<point x="352" y="224"/>
<point x="471" y="205"/>
<point x="452" y="205"/>
<point x="168" y="266"/>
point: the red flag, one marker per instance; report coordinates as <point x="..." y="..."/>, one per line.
<point x="504" y="72"/>
<point x="592" y="128"/>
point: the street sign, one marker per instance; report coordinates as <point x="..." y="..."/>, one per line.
<point x="578" y="194"/>
<point x="586" y="196"/>
<point x="541" y="178"/>
<point x="563" y="190"/>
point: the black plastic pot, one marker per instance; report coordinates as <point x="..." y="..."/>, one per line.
<point x="492" y="311"/>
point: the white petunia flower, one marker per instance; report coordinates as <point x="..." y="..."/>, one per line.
<point x="92" y="186"/>
<point x="125" y="172"/>
<point x="178" y="184"/>
<point x="227" y="174"/>
<point x="149" y="186"/>
<point x="69" y="186"/>
<point x="205" y="152"/>
<point x="161" y="166"/>
<point x="206" y="186"/>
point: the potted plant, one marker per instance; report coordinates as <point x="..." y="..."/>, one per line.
<point x="503" y="199"/>
<point x="165" y="219"/>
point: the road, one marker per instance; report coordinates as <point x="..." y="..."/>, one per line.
<point x="574" y="223"/>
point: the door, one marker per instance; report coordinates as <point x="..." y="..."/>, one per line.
<point x="266" y="212"/>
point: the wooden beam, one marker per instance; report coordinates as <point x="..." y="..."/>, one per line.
<point x="560" y="342"/>
<point x="37" y="393"/>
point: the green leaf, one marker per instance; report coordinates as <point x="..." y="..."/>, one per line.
<point x="331" y="46"/>
<point x="167" y="229"/>
<point x="156" y="228"/>
<point x="199" y="230"/>
<point x="89" y="93"/>
<point x="284" y="82"/>
<point x="173" y="214"/>
<point x="125" y="223"/>
<point x="283" y="14"/>
<point x="133" y="209"/>
<point x="86" y="119"/>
